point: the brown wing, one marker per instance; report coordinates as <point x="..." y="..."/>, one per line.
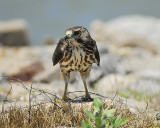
<point x="97" y="55"/>
<point x="59" y="51"/>
<point x="92" y="46"/>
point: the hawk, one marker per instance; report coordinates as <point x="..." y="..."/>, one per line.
<point x="77" y="51"/>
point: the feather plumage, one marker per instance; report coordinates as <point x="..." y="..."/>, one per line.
<point x="59" y="51"/>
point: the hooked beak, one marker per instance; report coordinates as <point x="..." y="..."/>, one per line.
<point x="68" y="34"/>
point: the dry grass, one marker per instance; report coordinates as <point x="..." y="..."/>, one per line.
<point x="54" y="113"/>
<point x="43" y="116"/>
<point x="68" y="115"/>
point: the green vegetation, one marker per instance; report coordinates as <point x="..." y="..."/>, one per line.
<point x="103" y="118"/>
<point x="136" y="95"/>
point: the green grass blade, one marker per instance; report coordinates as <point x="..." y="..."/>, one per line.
<point x="84" y="124"/>
<point x="109" y="113"/>
<point x="89" y="114"/>
<point x="98" y="103"/>
<point x="89" y="124"/>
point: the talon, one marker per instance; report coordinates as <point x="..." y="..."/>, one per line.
<point x="64" y="98"/>
<point x="87" y="98"/>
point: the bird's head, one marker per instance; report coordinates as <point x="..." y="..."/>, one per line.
<point x="78" y="33"/>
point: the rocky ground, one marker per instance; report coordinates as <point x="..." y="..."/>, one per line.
<point x="130" y="64"/>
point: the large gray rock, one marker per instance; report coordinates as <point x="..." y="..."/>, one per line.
<point x="112" y="83"/>
<point x="13" y="59"/>
<point x="48" y="75"/>
<point x="149" y="87"/>
<point x="143" y="26"/>
<point x="149" y="74"/>
<point x="14" y="33"/>
<point x="103" y="49"/>
<point x="109" y="64"/>
<point x="140" y="64"/>
<point x="132" y="31"/>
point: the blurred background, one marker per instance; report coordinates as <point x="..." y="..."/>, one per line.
<point x="127" y="34"/>
<point x="51" y="17"/>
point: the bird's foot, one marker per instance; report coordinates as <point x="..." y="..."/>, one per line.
<point x="87" y="98"/>
<point x="65" y="98"/>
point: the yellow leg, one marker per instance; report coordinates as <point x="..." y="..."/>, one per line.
<point x="66" y="78"/>
<point x="87" y="95"/>
<point x="65" y="98"/>
<point x="84" y="76"/>
<point x="86" y="90"/>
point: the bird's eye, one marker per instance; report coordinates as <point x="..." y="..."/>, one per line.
<point x="78" y="33"/>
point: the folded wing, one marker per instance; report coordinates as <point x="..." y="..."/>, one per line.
<point x="59" y="51"/>
<point x="97" y="55"/>
<point x="95" y="50"/>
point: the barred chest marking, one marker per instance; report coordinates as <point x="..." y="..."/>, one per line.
<point x="77" y="58"/>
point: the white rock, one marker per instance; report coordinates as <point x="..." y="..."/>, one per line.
<point x="113" y="83"/>
<point x="144" y="26"/>
<point x="133" y="31"/>
<point x="149" y="87"/>
<point x="149" y="74"/>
